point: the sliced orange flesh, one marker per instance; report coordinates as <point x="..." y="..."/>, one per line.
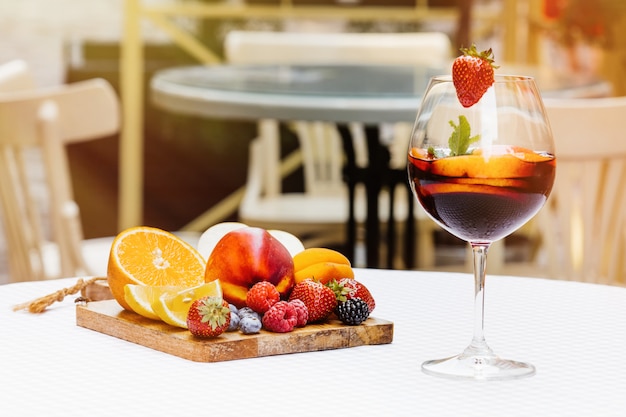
<point x="441" y="188"/>
<point x="151" y="256"/>
<point x="495" y="162"/>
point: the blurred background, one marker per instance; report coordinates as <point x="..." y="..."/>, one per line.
<point x="193" y="163"/>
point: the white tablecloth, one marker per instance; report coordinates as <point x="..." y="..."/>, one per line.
<point x="574" y="333"/>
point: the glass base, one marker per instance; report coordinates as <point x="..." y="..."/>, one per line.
<point x="477" y="367"/>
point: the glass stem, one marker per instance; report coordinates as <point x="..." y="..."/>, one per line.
<point x="479" y="345"/>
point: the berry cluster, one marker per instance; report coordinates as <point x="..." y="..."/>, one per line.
<point x="310" y="301"/>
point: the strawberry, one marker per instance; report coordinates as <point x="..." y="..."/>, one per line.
<point x="472" y="75"/>
<point x="319" y="300"/>
<point x="349" y="288"/>
<point x="208" y="317"/>
<point x="262" y="296"/>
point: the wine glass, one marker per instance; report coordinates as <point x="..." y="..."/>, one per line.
<point x="481" y="172"/>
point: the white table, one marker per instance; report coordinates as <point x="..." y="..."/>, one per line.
<point x="574" y="333"/>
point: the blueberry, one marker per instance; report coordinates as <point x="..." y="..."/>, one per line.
<point x="250" y="325"/>
<point x="247" y="311"/>
<point x="234" y="322"/>
<point x="233" y="308"/>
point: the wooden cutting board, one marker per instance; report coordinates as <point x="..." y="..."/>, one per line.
<point x="110" y="318"/>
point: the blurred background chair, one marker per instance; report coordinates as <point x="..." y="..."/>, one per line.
<point x="15" y="75"/>
<point x="319" y="214"/>
<point x="581" y="232"/>
<point x="44" y="239"/>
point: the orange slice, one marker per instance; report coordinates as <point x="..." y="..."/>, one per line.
<point x="141" y="297"/>
<point x="494" y="182"/>
<point x="478" y="166"/>
<point x="444" y="188"/>
<point x="173" y="308"/>
<point x="150" y="256"/>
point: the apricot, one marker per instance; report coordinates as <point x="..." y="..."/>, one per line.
<point x="324" y="272"/>
<point x="311" y="256"/>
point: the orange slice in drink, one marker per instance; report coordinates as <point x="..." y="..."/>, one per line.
<point x="515" y="163"/>
<point x="446" y="188"/>
<point x="150" y="256"/>
<point x="493" y="182"/>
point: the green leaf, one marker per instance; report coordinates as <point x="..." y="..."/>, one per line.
<point x="461" y="137"/>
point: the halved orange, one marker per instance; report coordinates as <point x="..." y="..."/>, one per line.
<point x="150" y="256"/>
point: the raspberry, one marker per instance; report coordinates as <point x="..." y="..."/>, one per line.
<point x="262" y="296"/>
<point x="301" y="312"/>
<point x="280" y="318"/>
<point x="249" y="325"/>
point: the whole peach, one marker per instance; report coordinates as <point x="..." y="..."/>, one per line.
<point x="246" y="256"/>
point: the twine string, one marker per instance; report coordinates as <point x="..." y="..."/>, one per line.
<point x="40" y="304"/>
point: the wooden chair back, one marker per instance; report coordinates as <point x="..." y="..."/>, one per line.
<point x="583" y="226"/>
<point x="48" y="119"/>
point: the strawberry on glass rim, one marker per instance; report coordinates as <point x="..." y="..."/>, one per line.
<point x="473" y="74"/>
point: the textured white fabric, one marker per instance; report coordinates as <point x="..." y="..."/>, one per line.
<point x="574" y="333"/>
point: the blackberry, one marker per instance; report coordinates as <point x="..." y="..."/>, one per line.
<point x="353" y="311"/>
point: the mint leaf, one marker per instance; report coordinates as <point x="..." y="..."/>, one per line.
<point x="461" y="138"/>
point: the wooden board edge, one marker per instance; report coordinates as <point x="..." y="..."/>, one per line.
<point x="230" y="346"/>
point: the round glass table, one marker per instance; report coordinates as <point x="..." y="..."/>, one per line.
<point x="333" y="93"/>
<point x="342" y="94"/>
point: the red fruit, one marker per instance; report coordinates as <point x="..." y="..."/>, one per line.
<point x="245" y="256"/>
<point x="208" y="317"/>
<point x="262" y="296"/>
<point x="472" y="75"/>
<point x="301" y="312"/>
<point x="319" y="300"/>
<point x="347" y="289"/>
<point x="280" y="318"/>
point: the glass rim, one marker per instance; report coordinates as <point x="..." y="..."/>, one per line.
<point x="498" y="78"/>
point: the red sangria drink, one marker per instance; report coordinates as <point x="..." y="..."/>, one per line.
<point x="481" y="163"/>
<point x="507" y="188"/>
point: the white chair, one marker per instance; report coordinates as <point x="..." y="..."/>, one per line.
<point x="320" y="213"/>
<point x="255" y="47"/>
<point x="15" y="76"/>
<point x="46" y="120"/>
<point x="582" y="228"/>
